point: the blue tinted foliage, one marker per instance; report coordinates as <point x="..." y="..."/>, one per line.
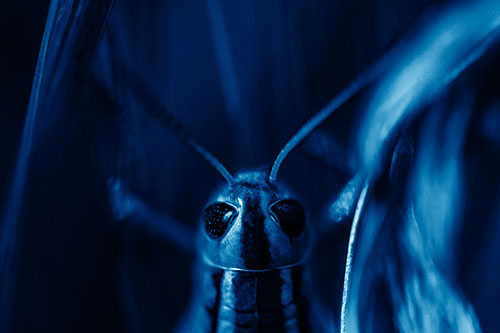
<point x="202" y="165"/>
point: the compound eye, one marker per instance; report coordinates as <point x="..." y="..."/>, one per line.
<point x="217" y="218"/>
<point x="290" y="215"/>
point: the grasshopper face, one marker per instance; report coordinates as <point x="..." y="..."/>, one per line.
<point x="253" y="225"/>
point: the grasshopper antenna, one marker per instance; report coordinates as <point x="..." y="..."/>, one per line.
<point x="323" y="114"/>
<point x="309" y="126"/>
<point x="149" y="102"/>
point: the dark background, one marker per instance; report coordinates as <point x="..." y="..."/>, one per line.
<point x="21" y="34"/>
<point x="80" y="271"/>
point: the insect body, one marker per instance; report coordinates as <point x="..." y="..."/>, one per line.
<point x="253" y="272"/>
<point x="253" y="243"/>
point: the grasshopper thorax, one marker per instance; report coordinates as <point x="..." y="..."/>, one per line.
<point x="252" y="224"/>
